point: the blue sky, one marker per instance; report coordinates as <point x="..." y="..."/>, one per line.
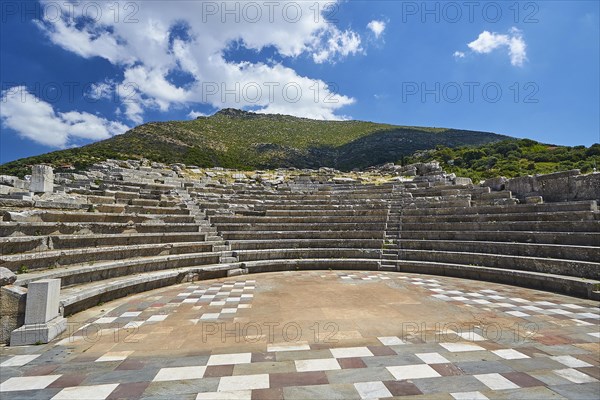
<point x="74" y="74"/>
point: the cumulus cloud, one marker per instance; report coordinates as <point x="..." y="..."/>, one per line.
<point x="191" y="38"/>
<point x="377" y="27"/>
<point x="513" y="42"/>
<point x="195" y="114"/>
<point x="459" y="54"/>
<point x="37" y="120"/>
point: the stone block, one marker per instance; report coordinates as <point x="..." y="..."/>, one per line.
<point x="42" y="179"/>
<point x="12" y="310"/>
<point x="462" y="181"/>
<point x="534" y="200"/>
<point x="42" y="301"/>
<point x="42" y="320"/>
<point x="496" y="183"/>
<point x="7" y="277"/>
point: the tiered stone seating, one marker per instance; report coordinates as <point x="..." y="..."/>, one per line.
<point x="135" y="230"/>
<point x="112" y="244"/>
<point x="340" y="226"/>
<point x="551" y="246"/>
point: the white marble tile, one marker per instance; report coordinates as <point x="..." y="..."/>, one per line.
<point x="520" y="300"/>
<point x="27" y="383"/>
<point x="243" y="382"/>
<point x="469" y="335"/>
<point x="157" y="318"/>
<point x="190" y="301"/>
<point x="481" y="301"/>
<point x="579" y="322"/>
<point x="179" y="373"/>
<point x="114" y="356"/>
<point x="496" y="381"/>
<point x="517" y="313"/>
<point x="217" y="303"/>
<point x="532" y="308"/>
<point x="574" y="376"/>
<point x="105" y="320"/>
<point x="210" y="316"/>
<point x="545" y="303"/>
<point x="558" y="311"/>
<point x="441" y="296"/>
<point x="459" y="298"/>
<point x="571" y="361"/>
<point x="432" y="358"/>
<point x="390" y="340"/>
<point x="130" y="314"/>
<point x="245" y="306"/>
<point x="496" y="297"/>
<point x="232" y="395"/>
<point x="320" y="364"/>
<point x="572" y="306"/>
<point x="228" y="359"/>
<point x="92" y="392"/>
<point x="469" y="396"/>
<point x="488" y="291"/>
<point x="348" y="352"/>
<point x="19" y="361"/>
<point x="594" y="334"/>
<point x="372" y="390"/>
<point x="287" y="347"/>
<point x="588" y="316"/>
<point x="458" y="347"/>
<point x="509" y="354"/>
<point x="413" y="371"/>
<point x="228" y="310"/>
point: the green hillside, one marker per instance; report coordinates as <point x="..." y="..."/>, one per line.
<point x="238" y="139"/>
<point x="511" y="158"/>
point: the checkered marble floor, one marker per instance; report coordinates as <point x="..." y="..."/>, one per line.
<point x="320" y="335"/>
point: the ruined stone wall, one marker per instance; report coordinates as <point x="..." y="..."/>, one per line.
<point x="560" y="186"/>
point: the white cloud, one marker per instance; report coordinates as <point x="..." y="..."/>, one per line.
<point x="150" y="51"/>
<point x="195" y="114"/>
<point x="377" y="27"/>
<point x="513" y="42"/>
<point x="37" y="120"/>
<point x="459" y="54"/>
<point x="101" y="90"/>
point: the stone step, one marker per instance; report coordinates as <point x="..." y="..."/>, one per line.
<point x="75" y="228"/>
<point x="347" y="264"/>
<point x="272" y="254"/>
<point x="540" y="226"/>
<point x="90" y="256"/>
<point x="520" y="208"/>
<point x="78" y="274"/>
<point x="581" y="269"/>
<point x="79" y="298"/>
<point x="228" y="220"/>
<point x="570" y="252"/>
<point x="299" y="234"/>
<point x="305" y="243"/>
<point x="84" y="217"/>
<point x="127" y="209"/>
<point x="26" y="244"/>
<point x="553" y="216"/>
<point x="569" y="285"/>
<point x="348" y="226"/>
<point x="559" y="238"/>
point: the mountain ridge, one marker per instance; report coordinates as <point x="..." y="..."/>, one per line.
<point x="240" y="139"/>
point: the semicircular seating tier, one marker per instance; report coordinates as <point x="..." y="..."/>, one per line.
<point x="131" y="235"/>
